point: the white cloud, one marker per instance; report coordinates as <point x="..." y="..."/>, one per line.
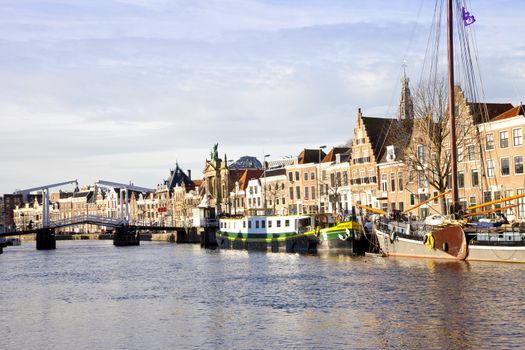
<point x="122" y="89"/>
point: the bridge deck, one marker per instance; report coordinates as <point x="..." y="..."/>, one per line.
<point x="93" y="220"/>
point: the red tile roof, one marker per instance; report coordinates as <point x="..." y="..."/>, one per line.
<point x="511" y="113"/>
<point x="247" y="176"/>
<point x="330" y="157"/>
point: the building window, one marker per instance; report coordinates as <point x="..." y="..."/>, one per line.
<point x="283" y="201"/>
<point x="435" y="199"/>
<point x="504" y="139"/>
<point x="291" y="193"/>
<point x="306" y="192"/>
<point x="392" y="182"/>
<point x="296" y="176"/>
<point x="421" y="154"/>
<point x="490" y="168"/>
<point x="383" y="183"/>
<point x="306" y="176"/>
<point x="345" y="178"/>
<point x="401" y="206"/>
<point x="521" y="203"/>
<point x="505" y="166"/>
<point x="372" y="175"/>
<point x="313" y="192"/>
<point x="400" y="182"/>
<point x="312" y="176"/>
<point x="471" y="152"/>
<point x="489" y="142"/>
<point x="412" y="199"/>
<point x="475" y="178"/>
<point x="518" y="165"/>
<point x="517" y="136"/>
<point x="461" y="179"/>
<point x="290" y="176"/>
<point x="422" y="180"/>
<point x="460" y="154"/>
<point x="298" y="192"/>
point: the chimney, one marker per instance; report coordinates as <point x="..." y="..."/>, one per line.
<point x="189" y="173"/>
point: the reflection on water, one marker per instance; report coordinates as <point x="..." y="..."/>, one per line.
<point x="91" y="295"/>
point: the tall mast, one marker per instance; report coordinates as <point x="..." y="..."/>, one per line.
<point x="451" y="108"/>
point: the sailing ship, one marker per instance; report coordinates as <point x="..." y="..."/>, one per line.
<point x="456" y="238"/>
<point x="263" y="232"/>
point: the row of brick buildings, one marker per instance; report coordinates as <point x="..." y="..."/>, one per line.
<point x="389" y="165"/>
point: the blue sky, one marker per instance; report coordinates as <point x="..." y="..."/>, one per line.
<point x="121" y="90"/>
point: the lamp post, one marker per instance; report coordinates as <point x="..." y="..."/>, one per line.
<point x="319" y="177"/>
<point x="264" y="174"/>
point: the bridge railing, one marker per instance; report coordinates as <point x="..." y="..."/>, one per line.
<point x="88" y="219"/>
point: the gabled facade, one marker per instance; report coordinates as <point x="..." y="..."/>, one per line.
<point x="334" y="189"/>
<point x="368" y="146"/>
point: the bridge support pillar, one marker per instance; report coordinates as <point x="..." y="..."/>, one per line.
<point x="45" y="239"/>
<point x="208" y="237"/>
<point x="126" y="236"/>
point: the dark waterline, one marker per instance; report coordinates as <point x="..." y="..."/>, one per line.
<point x="92" y="295"/>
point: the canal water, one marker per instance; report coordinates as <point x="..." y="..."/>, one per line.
<point x="92" y="295"/>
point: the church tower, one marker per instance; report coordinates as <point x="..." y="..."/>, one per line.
<point x="406" y="106"/>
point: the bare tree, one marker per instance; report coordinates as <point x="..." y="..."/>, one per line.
<point x="426" y="140"/>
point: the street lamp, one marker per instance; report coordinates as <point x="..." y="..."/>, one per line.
<point x="264" y="174"/>
<point x="319" y="177"/>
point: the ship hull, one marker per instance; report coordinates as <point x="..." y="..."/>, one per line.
<point x="286" y="243"/>
<point x="343" y="238"/>
<point x="450" y="243"/>
<point x="515" y="254"/>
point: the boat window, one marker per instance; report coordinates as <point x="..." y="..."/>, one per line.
<point x="256" y="223"/>
<point x="269" y="223"/>
<point x="249" y="224"/>
<point x="244" y="224"/>
<point x="263" y="224"/>
<point x="278" y="223"/>
<point x="287" y="223"/>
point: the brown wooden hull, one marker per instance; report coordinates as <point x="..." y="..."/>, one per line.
<point x="449" y="243"/>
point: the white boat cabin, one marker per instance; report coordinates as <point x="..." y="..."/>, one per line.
<point x="267" y="224"/>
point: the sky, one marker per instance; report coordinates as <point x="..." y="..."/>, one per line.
<point x="122" y="90"/>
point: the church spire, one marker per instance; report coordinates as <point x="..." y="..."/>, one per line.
<point x="406" y="106"/>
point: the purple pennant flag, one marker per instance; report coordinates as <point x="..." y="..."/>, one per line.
<point x="467" y="18"/>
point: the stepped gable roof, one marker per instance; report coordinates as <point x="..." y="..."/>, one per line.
<point x="246" y="162"/>
<point x="177" y="177"/>
<point x="343" y="151"/>
<point x="378" y="130"/>
<point x="310" y="156"/>
<point x="491" y="110"/>
<point x="511" y="113"/>
<point x="247" y="175"/>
